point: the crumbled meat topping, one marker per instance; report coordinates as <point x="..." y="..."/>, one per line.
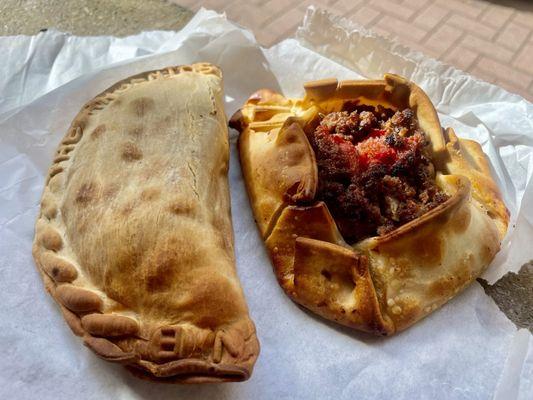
<point x="373" y="169"/>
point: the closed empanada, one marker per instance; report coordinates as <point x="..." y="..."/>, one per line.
<point x="134" y="238"/>
<point x="373" y="217"/>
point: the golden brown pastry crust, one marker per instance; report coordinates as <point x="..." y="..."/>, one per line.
<point x="381" y="284"/>
<point x="134" y="238"/>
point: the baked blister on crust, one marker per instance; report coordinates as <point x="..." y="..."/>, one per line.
<point x="382" y="284"/>
<point x="134" y="238"/>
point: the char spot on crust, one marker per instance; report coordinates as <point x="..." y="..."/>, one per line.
<point x="128" y="208"/>
<point x="151" y="193"/>
<point x="157" y="277"/>
<point x="488" y="253"/>
<point x="59" y="269"/>
<point x="290" y="136"/>
<point x="141" y="106"/>
<point x="326" y="274"/>
<point x="429" y="248"/>
<point x="130" y="152"/>
<point x="180" y="207"/>
<point x="97" y="132"/>
<point x="86" y="193"/>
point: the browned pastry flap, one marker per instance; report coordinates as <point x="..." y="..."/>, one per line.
<point x="134" y="238"/>
<point x="382" y="284"/>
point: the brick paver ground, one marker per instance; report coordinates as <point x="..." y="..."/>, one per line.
<point x="491" y="41"/>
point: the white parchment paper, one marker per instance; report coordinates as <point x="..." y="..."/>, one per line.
<point x="466" y="350"/>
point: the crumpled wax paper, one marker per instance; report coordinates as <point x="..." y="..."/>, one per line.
<point x="466" y="350"/>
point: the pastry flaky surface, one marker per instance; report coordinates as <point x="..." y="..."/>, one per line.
<point x="381" y="284"/>
<point x="134" y="238"/>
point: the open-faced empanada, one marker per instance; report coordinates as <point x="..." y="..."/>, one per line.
<point x="372" y="216"/>
<point x="134" y="238"/>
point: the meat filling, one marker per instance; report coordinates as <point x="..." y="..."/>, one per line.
<point x="374" y="173"/>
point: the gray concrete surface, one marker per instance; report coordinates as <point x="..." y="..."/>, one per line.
<point x="90" y="17"/>
<point x="513" y="293"/>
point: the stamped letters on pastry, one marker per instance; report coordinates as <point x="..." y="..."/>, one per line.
<point x="373" y="217"/>
<point x="134" y="239"/>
